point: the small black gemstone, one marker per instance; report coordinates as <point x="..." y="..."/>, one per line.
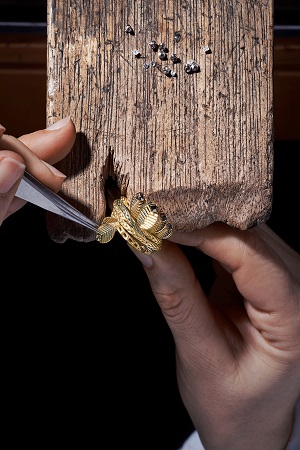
<point x="162" y="55"/>
<point x="140" y="196"/>
<point x="177" y="36"/>
<point x="188" y="68"/>
<point x="153" y="207"/>
<point x="129" y="30"/>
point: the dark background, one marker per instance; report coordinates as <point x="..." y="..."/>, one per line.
<point x="286" y="12"/>
<point x="87" y="357"/>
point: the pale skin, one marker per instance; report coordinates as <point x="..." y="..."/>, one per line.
<point x="37" y="152"/>
<point x="237" y="350"/>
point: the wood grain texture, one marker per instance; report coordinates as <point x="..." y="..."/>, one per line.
<point x="199" y="145"/>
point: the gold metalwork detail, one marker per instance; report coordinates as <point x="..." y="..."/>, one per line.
<point x="138" y="221"/>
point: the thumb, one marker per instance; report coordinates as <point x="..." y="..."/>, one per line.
<point x="53" y="143"/>
<point x="41" y="149"/>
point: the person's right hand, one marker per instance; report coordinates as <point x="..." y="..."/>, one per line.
<point x="36" y="152"/>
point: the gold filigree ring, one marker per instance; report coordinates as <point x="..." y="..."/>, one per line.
<point x="138" y="221"/>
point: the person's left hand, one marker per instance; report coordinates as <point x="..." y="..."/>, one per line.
<point x="35" y="152"/>
<point x="237" y="348"/>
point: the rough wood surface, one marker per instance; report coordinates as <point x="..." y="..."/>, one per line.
<point x="200" y="145"/>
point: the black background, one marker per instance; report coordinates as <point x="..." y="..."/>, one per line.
<point x="285" y="11"/>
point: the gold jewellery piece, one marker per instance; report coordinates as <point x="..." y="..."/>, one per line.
<point x="138" y="221"/>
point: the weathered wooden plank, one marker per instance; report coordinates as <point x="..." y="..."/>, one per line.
<point x="200" y="145"/>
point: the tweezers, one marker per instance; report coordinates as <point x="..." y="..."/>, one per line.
<point x="33" y="191"/>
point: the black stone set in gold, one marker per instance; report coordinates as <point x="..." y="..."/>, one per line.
<point x="138" y="221"/>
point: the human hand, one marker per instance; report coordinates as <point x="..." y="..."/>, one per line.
<point x="36" y="152"/>
<point x="237" y="350"/>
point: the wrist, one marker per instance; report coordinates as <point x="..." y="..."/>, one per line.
<point x="270" y="432"/>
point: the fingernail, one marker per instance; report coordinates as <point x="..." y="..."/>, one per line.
<point x="2" y="130"/>
<point x="10" y="171"/>
<point x="55" y="170"/>
<point x="59" y="124"/>
<point x="145" y="259"/>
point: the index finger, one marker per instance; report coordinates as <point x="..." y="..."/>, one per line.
<point x="263" y="276"/>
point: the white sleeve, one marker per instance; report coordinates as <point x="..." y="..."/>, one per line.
<point x="193" y="442"/>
